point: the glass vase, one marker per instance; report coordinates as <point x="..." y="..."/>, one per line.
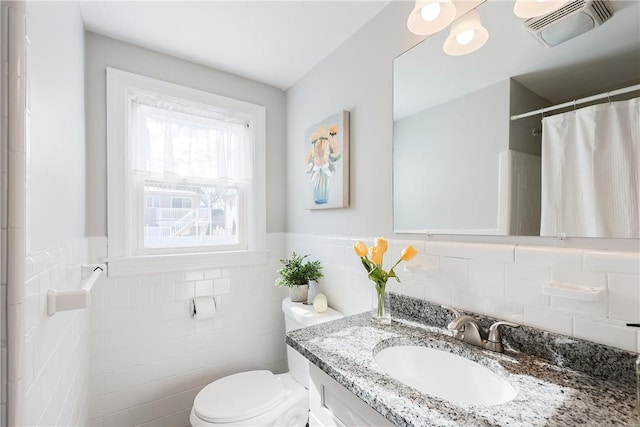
<point x="320" y="182"/>
<point x="382" y="305"/>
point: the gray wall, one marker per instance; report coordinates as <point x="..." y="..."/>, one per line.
<point x="449" y="154"/>
<point x="56" y="169"/>
<point x="357" y="77"/>
<point x="501" y="281"/>
<point x="102" y="52"/>
<point x="521" y="138"/>
<point x="55" y="373"/>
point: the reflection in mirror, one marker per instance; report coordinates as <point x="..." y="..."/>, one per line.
<point x="474" y="171"/>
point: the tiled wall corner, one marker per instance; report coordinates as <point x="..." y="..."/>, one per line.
<point x="149" y="357"/>
<point x="500" y="280"/>
<point x="56" y="351"/>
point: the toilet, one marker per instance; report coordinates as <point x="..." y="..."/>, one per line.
<point x="260" y="398"/>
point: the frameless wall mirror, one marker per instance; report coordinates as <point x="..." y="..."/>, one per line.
<point x="462" y="166"/>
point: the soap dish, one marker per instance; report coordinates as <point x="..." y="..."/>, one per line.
<point x="573" y="291"/>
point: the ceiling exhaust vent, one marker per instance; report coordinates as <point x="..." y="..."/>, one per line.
<point x="569" y="21"/>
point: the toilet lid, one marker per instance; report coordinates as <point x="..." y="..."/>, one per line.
<point x="238" y="397"/>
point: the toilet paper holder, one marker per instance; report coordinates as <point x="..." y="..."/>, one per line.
<point x="202" y="307"/>
<point x="78" y="298"/>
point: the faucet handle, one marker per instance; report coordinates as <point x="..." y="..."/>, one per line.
<point x="457" y="333"/>
<point x="494" y="340"/>
<point x="494" y="331"/>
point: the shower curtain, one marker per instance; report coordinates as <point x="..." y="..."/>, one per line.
<point x="590" y="171"/>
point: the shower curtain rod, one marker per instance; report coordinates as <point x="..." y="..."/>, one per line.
<point x="578" y="101"/>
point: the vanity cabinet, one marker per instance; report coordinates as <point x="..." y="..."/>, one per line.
<point x="347" y="387"/>
<point x="333" y="405"/>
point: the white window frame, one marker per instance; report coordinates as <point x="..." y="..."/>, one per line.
<point x="124" y="254"/>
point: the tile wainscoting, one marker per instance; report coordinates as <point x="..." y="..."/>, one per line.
<point x="56" y="352"/>
<point x="136" y="357"/>
<point x="148" y="356"/>
<point x="498" y="280"/>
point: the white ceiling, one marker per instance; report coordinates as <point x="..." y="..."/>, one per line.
<point x="279" y="41"/>
<point x="270" y="41"/>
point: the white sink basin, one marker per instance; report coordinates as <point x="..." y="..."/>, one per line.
<point x="445" y="375"/>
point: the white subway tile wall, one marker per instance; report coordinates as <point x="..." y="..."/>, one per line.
<point x="624" y="297"/>
<point x="612" y="262"/>
<point x="148" y="356"/>
<point x="503" y="281"/>
<point x="137" y="358"/>
<point x="56" y="348"/>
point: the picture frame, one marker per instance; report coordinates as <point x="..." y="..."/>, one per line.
<point x="327" y="163"/>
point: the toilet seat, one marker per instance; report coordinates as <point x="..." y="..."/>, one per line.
<point x="239" y="397"/>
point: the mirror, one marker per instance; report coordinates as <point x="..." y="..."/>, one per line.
<point x="460" y="165"/>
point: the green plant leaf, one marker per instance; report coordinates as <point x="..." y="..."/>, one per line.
<point x="368" y="265"/>
<point x="297" y="272"/>
<point x="377" y="275"/>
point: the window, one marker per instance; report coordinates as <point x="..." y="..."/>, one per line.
<point x="176" y="202"/>
<point x="185" y="174"/>
<point x="153" y="202"/>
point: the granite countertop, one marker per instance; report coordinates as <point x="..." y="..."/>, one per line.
<point x="547" y="394"/>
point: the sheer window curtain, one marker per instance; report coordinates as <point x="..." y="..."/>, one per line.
<point x="187" y="146"/>
<point x="591" y="173"/>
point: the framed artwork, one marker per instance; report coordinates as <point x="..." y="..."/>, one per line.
<point x="327" y="163"/>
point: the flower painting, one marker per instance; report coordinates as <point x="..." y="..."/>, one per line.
<point x="327" y="163"/>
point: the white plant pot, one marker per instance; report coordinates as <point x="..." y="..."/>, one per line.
<point x="299" y="293"/>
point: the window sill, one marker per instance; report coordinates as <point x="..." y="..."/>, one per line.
<point x="147" y="264"/>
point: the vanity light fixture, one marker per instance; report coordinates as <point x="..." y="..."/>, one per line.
<point x="534" y="8"/>
<point x="430" y="16"/>
<point x="467" y="35"/>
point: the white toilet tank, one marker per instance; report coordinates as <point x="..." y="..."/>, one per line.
<point x="296" y="316"/>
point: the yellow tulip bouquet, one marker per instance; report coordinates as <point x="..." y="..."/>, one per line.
<point x="373" y="264"/>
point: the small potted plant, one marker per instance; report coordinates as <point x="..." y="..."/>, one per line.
<point x="296" y="274"/>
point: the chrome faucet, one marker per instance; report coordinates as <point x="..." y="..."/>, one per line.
<point x="469" y="330"/>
